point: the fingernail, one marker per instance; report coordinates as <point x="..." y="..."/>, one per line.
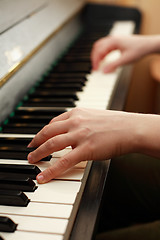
<point x="40" y="178"/>
<point x="29" y="158"/>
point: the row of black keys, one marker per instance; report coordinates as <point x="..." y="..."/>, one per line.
<point x="14" y="181"/>
<point x="13" y="176"/>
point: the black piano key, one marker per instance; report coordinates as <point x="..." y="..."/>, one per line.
<point x="85" y="58"/>
<point x="60" y="86"/>
<point x="67" y="80"/>
<point x="29" y="121"/>
<point x="37" y="112"/>
<point x="66" y="76"/>
<point x="24" y="184"/>
<point x="49" y="102"/>
<point x="21" y="129"/>
<point x="77" y="67"/>
<point x="13" y="141"/>
<point x="80" y="51"/>
<point x="13" y="198"/>
<point x="47" y="158"/>
<point x="17" y="152"/>
<point x="54" y="94"/>
<point x="81" y="47"/>
<point x="25" y="124"/>
<point x="41" y="120"/>
<point x="1" y="238"/>
<point x="7" y="225"/>
<point x="78" y="58"/>
<point x="13" y="155"/>
<point x="13" y="147"/>
<point x="34" y="116"/>
<point x="28" y="170"/>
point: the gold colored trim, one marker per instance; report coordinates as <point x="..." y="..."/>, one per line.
<point x="17" y="66"/>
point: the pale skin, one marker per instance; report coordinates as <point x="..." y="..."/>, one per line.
<point x="100" y="134"/>
<point x="132" y="48"/>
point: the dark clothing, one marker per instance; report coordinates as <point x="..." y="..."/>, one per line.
<point x="132" y="198"/>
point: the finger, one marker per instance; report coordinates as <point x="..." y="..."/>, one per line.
<point x="62" y="165"/>
<point x="99" y="53"/>
<point x="96" y="56"/>
<point x="48" y="132"/>
<point x="54" y="144"/>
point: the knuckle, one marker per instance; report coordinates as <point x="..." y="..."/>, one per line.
<point x="91" y="146"/>
<point x="51" y="143"/>
<point x="64" y="162"/>
<point x="76" y="121"/>
<point x="50" y="172"/>
<point x="77" y="118"/>
<point x="45" y="131"/>
<point x="53" y="120"/>
<point x="85" y="132"/>
<point x="76" y="110"/>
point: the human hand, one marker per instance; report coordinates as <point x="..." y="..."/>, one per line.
<point x="93" y="135"/>
<point x="131" y="48"/>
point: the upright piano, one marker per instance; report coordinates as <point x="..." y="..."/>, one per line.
<point x="45" y="70"/>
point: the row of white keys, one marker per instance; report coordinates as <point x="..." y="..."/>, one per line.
<point x="50" y="206"/>
<point x="19" y="235"/>
<point x="99" y="90"/>
<point x="100" y="87"/>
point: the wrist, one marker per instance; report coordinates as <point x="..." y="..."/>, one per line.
<point x="147" y="137"/>
<point x="154" y="44"/>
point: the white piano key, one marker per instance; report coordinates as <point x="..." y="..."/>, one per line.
<point x="98" y="91"/>
<point x="19" y="235"/>
<point x="16" y="135"/>
<point x="61" y="152"/>
<point x="39" y="210"/>
<point x="55" y="191"/>
<point x="72" y="174"/>
<point x="123" y="28"/>
<point x="39" y="224"/>
<point x="111" y="57"/>
<point x="81" y="164"/>
<point x="54" y="159"/>
<point x="11" y="161"/>
<point x="46" y="164"/>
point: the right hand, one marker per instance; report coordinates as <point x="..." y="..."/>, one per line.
<point x="132" y="48"/>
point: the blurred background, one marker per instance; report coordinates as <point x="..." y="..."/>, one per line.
<point x="144" y="90"/>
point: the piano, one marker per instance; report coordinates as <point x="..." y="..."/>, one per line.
<point x="46" y="70"/>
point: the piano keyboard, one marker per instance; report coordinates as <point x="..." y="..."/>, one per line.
<point x="70" y="83"/>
